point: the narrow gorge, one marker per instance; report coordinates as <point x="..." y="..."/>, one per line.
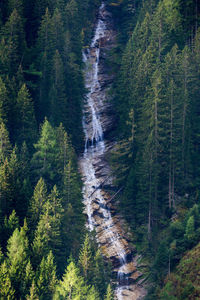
<point x="97" y="121"/>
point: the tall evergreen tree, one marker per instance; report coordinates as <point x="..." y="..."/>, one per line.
<point x="47" y="280"/>
<point x="26" y="123"/>
<point x="58" y="98"/>
<point x="37" y="203"/>
<point x="44" y="159"/>
<point x="5" y="146"/>
<point x="13" y="43"/>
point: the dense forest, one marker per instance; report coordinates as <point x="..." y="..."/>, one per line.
<point x="45" y="249"/>
<point x="46" y="252"/>
<point x="157" y="161"/>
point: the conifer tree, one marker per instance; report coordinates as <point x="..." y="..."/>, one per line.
<point x="7" y="290"/>
<point x="4" y="102"/>
<point x="37" y="202"/>
<point x="85" y="259"/>
<point x="46" y="50"/>
<point x="10" y="224"/>
<point x="7" y="189"/>
<point x="33" y="295"/>
<point x="18" y="258"/>
<point x="44" y="159"/>
<point x="58" y="29"/>
<point x="47" y="280"/>
<point x="15" y="4"/>
<point x="109" y="293"/>
<point x="14" y="43"/>
<point x="65" y="150"/>
<point x="48" y="232"/>
<point x="100" y="275"/>
<point x="72" y="284"/>
<point x="5" y="146"/>
<point x="27" y="280"/>
<point x="26" y="123"/>
<point x="190" y="229"/>
<point x="58" y="98"/>
<point x="93" y="294"/>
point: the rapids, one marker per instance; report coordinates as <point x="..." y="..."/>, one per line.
<point x="108" y="232"/>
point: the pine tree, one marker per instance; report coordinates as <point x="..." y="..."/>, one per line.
<point x="72" y="284"/>
<point x="46" y="49"/>
<point x="10" y="224"/>
<point x="5" y="146"/>
<point x="44" y="159"/>
<point x="47" y="280"/>
<point x="58" y="98"/>
<point x="100" y="274"/>
<point x="38" y="200"/>
<point x="7" y="291"/>
<point x="13" y="44"/>
<point x="18" y="258"/>
<point x="48" y="231"/>
<point x="26" y="123"/>
<point x="85" y="259"/>
<point x="109" y="293"/>
<point x="65" y="150"/>
<point x="58" y="29"/>
<point x="15" y="4"/>
<point x="6" y="188"/>
<point x="27" y="280"/>
<point x="190" y="229"/>
<point x="93" y="294"/>
<point x="33" y="292"/>
<point x="4" y="102"/>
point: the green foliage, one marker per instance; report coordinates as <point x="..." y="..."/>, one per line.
<point x="37" y="202"/>
<point x="44" y="157"/>
<point x="47" y="280"/>
<point x="41" y="77"/>
<point x="48" y="231"/>
<point x="7" y="291"/>
<point x="26" y="124"/>
<point x="158" y="130"/>
<point x="85" y="258"/>
<point x="72" y="285"/>
<point x="184" y="283"/>
<point x="13" y="43"/>
<point x="189" y="232"/>
<point x="5" y="146"/>
<point x="109" y="293"/>
<point x="4" y="102"/>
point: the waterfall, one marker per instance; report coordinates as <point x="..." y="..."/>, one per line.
<point x="95" y="148"/>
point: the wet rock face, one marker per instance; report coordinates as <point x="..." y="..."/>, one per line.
<point x="97" y="122"/>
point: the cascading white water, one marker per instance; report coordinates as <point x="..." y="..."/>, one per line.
<point x="94" y="150"/>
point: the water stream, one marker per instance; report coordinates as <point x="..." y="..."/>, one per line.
<point x="99" y="216"/>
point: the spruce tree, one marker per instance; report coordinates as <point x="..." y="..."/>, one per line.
<point x="14" y="43"/>
<point x="72" y="284"/>
<point x="33" y="295"/>
<point x="47" y="280"/>
<point x="18" y="258"/>
<point x="44" y="158"/>
<point x="4" y="102"/>
<point x="7" y="290"/>
<point x="48" y="231"/>
<point x="85" y="259"/>
<point x="109" y="294"/>
<point x="26" y="123"/>
<point x="5" y="146"/>
<point x="58" y="98"/>
<point x="37" y="202"/>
